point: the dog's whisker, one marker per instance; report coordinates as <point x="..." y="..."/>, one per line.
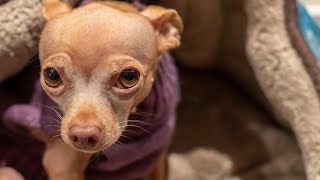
<point x="131" y="125"/>
<point x="133" y="121"/>
<point x="126" y="137"/>
<point x="96" y="157"/>
<point x="93" y="159"/>
<point x="100" y="155"/>
<point x="140" y="112"/>
<point x="32" y="60"/>
<point x="118" y="141"/>
<point x="139" y="128"/>
<point x="54" y="137"/>
<point x="56" y="120"/>
<point x="57" y="107"/>
<point x="139" y="121"/>
<point x="54" y="107"/>
<point x="123" y="122"/>
<point x="53" y="125"/>
<point x="123" y="126"/>
<point x="59" y="122"/>
<point x="157" y="73"/>
<point x="55" y="111"/>
<point x="126" y="130"/>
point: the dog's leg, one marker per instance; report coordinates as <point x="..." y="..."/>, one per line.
<point x="63" y="162"/>
<point x="160" y="171"/>
<point x="7" y="173"/>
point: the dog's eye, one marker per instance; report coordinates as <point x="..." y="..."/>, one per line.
<point x="52" y="78"/>
<point x="129" y="78"/>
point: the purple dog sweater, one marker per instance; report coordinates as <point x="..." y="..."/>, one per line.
<point x="24" y="105"/>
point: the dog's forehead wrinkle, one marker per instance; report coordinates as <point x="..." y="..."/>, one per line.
<point x="116" y="32"/>
<point x="127" y="35"/>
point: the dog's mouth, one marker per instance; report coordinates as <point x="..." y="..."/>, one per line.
<point x="91" y="150"/>
<point x="91" y="146"/>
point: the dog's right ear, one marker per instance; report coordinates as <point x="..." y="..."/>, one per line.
<point x="167" y="24"/>
<point x="54" y="8"/>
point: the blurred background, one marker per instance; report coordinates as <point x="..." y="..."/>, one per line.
<point x="223" y="109"/>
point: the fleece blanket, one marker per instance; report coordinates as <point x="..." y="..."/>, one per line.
<point x="262" y="48"/>
<point x="287" y="72"/>
<point x="21" y="23"/>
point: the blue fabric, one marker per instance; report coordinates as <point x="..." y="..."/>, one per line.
<point x="310" y="30"/>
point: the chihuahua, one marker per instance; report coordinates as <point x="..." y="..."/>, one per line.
<point x="98" y="63"/>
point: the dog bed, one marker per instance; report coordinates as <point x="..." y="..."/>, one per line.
<point x="272" y="108"/>
<point x="268" y="75"/>
<point x="21" y="24"/>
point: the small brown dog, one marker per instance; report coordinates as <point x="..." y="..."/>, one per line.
<point x="98" y="62"/>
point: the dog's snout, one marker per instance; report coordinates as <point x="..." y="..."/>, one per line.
<point x="84" y="137"/>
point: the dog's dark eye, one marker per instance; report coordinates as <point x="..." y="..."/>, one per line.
<point x="52" y="78"/>
<point x="129" y="78"/>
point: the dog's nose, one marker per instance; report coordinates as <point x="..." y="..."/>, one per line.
<point x="84" y="137"/>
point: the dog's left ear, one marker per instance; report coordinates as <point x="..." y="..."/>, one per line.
<point x="167" y="24"/>
<point x="53" y="8"/>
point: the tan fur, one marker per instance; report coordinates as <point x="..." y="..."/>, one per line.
<point x="10" y="174"/>
<point x="123" y="6"/>
<point x="55" y="7"/>
<point x="89" y="47"/>
<point x="160" y="16"/>
<point x="63" y="162"/>
<point x="159" y="172"/>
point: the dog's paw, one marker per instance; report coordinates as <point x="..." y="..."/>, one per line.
<point x="10" y="174"/>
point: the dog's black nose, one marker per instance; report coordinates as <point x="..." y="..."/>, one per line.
<point x="86" y="137"/>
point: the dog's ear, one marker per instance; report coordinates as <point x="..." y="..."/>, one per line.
<point x="167" y="24"/>
<point x="53" y="8"/>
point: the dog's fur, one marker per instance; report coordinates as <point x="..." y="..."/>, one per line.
<point x="90" y="47"/>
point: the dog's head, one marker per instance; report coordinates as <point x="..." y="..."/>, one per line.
<point x="98" y="63"/>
